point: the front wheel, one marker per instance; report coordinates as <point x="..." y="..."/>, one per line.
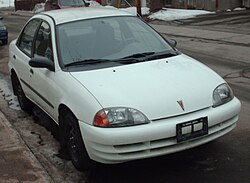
<point x="75" y="145"/>
<point x="25" y="104"/>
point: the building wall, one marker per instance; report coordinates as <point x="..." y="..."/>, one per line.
<point x="229" y="4"/>
<point x="123" y="3"/>
<point x="156" y="5"/>
<point x="206" y="5"/>
<point x="211" y="5"/>
<point x="246" y="3"/>
<point x="26" y="5"/>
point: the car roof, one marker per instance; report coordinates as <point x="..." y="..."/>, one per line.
<point x="73" y="14"/>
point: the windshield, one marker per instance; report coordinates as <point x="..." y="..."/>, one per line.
<point x="111" y="38"/>
<point x="71" y="2"/>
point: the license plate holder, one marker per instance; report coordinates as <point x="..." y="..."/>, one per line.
<point x="191" y="129"/>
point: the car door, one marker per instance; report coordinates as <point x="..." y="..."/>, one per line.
<point x="22" y="52"/>
<point x="42" y="80"/>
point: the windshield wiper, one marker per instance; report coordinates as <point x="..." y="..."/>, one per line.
<point x="88" y="62"/>
<point x="142" y="57"/>
<point x="162" y="55"/>
<point x="134" y="58"/>
<point x="139" y="55"/>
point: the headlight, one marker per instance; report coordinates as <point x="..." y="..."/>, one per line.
<point x="222" y="94"/>
<point x="2" y="28"/>
<point x="119" y="117"/>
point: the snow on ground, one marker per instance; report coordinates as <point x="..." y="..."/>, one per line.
<point x="168" y="14"/>
<point x="8" y="95"/>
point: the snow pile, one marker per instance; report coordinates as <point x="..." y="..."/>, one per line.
<point x="168" y="14"/>
<point x="39" y="8"/>
<point x="236" y="9"/>
<point x="93" y="4"/>
<point x="6" y="3"/>
<point x="133" y="10"/>
<point x="239" y="9"/>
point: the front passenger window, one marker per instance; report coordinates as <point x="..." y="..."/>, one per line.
<point x="43" y="46"/>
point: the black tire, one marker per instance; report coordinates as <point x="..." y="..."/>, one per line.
<point x="5" y="41"/>
<point x="75" y="145"/>
<point x="25" y="104"/>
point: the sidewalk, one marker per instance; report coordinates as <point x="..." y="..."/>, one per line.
<point x="227" y="37"/>
<point x="17" y="163"/>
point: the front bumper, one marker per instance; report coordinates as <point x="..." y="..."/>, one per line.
<point x="117" y="145"/>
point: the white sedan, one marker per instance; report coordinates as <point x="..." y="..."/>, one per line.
<point x="116" y="88"/>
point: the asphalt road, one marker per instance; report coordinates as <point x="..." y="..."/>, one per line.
<point x="225" y="160"/>
<point x="237" y="22"/>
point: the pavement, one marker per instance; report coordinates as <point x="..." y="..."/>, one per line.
<point x="18" y="163"/>
<point x="188" y="32"/>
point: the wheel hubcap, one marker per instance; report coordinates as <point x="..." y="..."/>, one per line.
<point x="20" y="96"/>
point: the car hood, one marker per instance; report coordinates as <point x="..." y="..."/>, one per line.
<point x="156" y="88"/>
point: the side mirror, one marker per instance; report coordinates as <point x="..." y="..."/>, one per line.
<point x="42" y="62"/>
<point x="1" y="18"/>
<point x="172" y="42"/>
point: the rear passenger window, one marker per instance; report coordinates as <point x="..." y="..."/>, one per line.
<point x="26" y="39"/>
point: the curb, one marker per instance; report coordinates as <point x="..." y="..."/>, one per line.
<point x="24" y="14"/>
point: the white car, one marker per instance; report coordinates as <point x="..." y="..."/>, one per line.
<point x="116" y="88"/>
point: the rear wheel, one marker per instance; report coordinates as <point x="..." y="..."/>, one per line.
<point x="25" y="104"/>
<point x="75" y="145"/>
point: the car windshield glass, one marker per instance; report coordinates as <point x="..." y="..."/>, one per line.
<point x="71" y="2"/>
<point x="111" y="38"/>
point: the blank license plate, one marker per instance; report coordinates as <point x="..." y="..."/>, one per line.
<point x="191" y="129"/>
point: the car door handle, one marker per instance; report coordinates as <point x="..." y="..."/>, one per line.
<point x="31" y="71"/>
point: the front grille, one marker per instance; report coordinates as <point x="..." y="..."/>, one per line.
<point x="170" y="145"/>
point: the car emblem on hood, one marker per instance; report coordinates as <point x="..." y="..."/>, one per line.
<point x="180" y="102"/>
